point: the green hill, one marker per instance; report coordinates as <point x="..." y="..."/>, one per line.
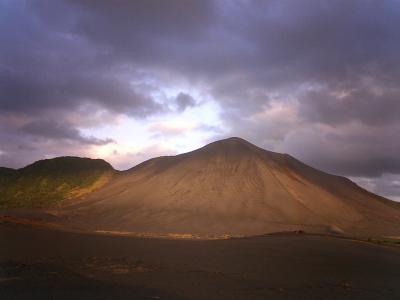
<point x="50" y="181"/>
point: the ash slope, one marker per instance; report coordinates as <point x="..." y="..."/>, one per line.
<point x="233" y="187"/>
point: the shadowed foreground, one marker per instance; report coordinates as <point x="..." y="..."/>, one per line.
<point x="44" y="264"/>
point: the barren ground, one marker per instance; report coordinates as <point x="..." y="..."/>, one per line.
<point x="49" y="264"/>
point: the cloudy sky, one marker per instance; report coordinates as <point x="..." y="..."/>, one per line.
<point x="130" y="80"/>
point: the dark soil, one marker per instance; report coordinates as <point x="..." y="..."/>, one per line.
<point x="46" y="264"/>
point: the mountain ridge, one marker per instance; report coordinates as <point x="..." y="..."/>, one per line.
<point x="227" y="187"/>
<point x="231" y="186"/>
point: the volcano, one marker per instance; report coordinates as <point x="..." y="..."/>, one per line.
<point x="232" y="187"/>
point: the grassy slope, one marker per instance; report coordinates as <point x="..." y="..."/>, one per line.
<point x="49" y="181"/>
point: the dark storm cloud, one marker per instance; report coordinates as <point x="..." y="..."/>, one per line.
<point x="352" y="149"/>
<point x="318" y="79"/>
<point x="21" y="145"/>
<point x="53" y="68"/>
<point x="243" y="50"/>
<point x="360" y="104"/>
<point x="50" y="129"/>
<point x="184" y="101"/>
<point x="37" y="92"/>
<point x="363" y="166"/>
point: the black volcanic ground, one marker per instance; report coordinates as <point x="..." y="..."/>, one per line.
<point x="43" y="264"/>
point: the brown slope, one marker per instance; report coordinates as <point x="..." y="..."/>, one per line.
<point x="233" y="187"/>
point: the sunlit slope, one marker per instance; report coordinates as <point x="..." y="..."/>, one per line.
<point x="50" y="181"/>
<point x="233" y="187"/>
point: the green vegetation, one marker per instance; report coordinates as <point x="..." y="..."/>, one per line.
<point x="50" y="181"/>
<point x="388" y="241"/>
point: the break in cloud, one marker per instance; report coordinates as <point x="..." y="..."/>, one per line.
<point x="319" y="80"/>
